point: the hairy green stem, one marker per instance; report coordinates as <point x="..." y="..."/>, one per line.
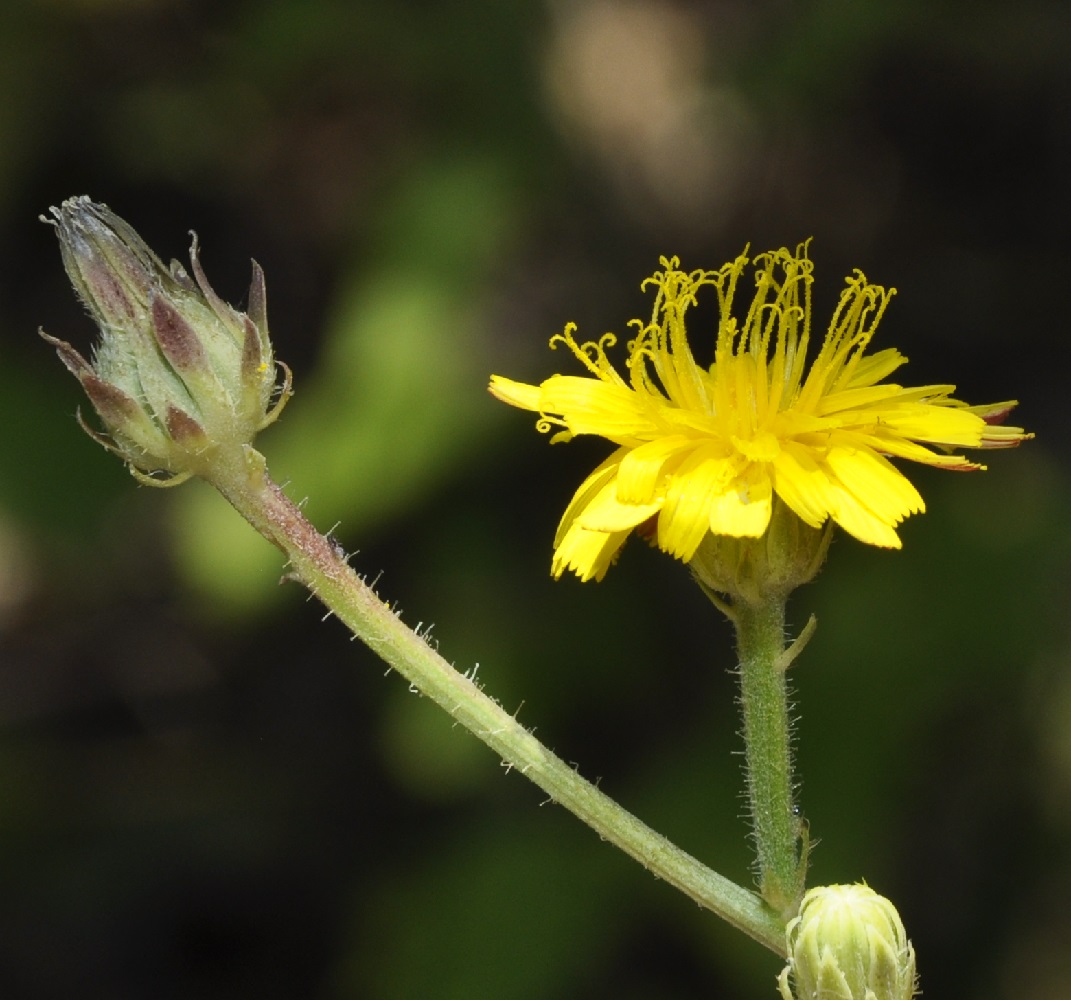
<point x="760" y="631"/>
<point x="241" y="476"/>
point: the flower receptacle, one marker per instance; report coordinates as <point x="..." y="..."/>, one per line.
<point x="787" y="555"/>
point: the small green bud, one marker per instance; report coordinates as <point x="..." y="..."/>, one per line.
<point x="178" y="373"/>
<point x="788" y="554"/>
<point x="848" y="944"/>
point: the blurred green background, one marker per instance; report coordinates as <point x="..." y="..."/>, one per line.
<point x="206" y="792"/>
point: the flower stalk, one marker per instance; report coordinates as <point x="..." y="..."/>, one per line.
<point x="750" y="580"/>
<point x="776" y="827"/>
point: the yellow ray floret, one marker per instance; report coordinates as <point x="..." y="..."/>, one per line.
<point x="706" y="449"/>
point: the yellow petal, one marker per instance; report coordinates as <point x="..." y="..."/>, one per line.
<point x="603" y="512"/>
<point x="743" y="511"/>
<point x="515" y="393"/>
<point x="875" y="367"/>
<point x="760" y="447"/>
<point x="685" y="517"/>
<point x="997" y="436"/>
<point x="857" y="398"/>
<point x="875" y="483"/>
<point x="587" y="491"/>
<point x="590" y="406"/>
<point x="994" y="413"/>
<point x="955" y="427"/>
<point x="935" y="394"/>
<point x="889" y="444"/>
<point x="803" y="484"/>
<point x="864" y="524"/>
<point x="642" y="468"/>
<point x="589" y="554"/>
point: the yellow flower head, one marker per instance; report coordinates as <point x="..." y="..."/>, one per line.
<point x="706" y="449"/>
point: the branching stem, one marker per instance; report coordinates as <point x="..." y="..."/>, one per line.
<point x="241" y="476"/>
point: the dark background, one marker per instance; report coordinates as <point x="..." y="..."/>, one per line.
<point x="206" y="792"/>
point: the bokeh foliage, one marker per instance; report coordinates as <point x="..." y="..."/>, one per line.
<point x="207" y="792"/>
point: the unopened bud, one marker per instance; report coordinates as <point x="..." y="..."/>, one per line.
<point x="177" y="373"/>
<point x="848" y="944"/>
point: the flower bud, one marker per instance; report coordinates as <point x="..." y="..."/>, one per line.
<point x="177" y="373"/>
<point x="848" y="944"/>
<point x="788" y="554"/>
